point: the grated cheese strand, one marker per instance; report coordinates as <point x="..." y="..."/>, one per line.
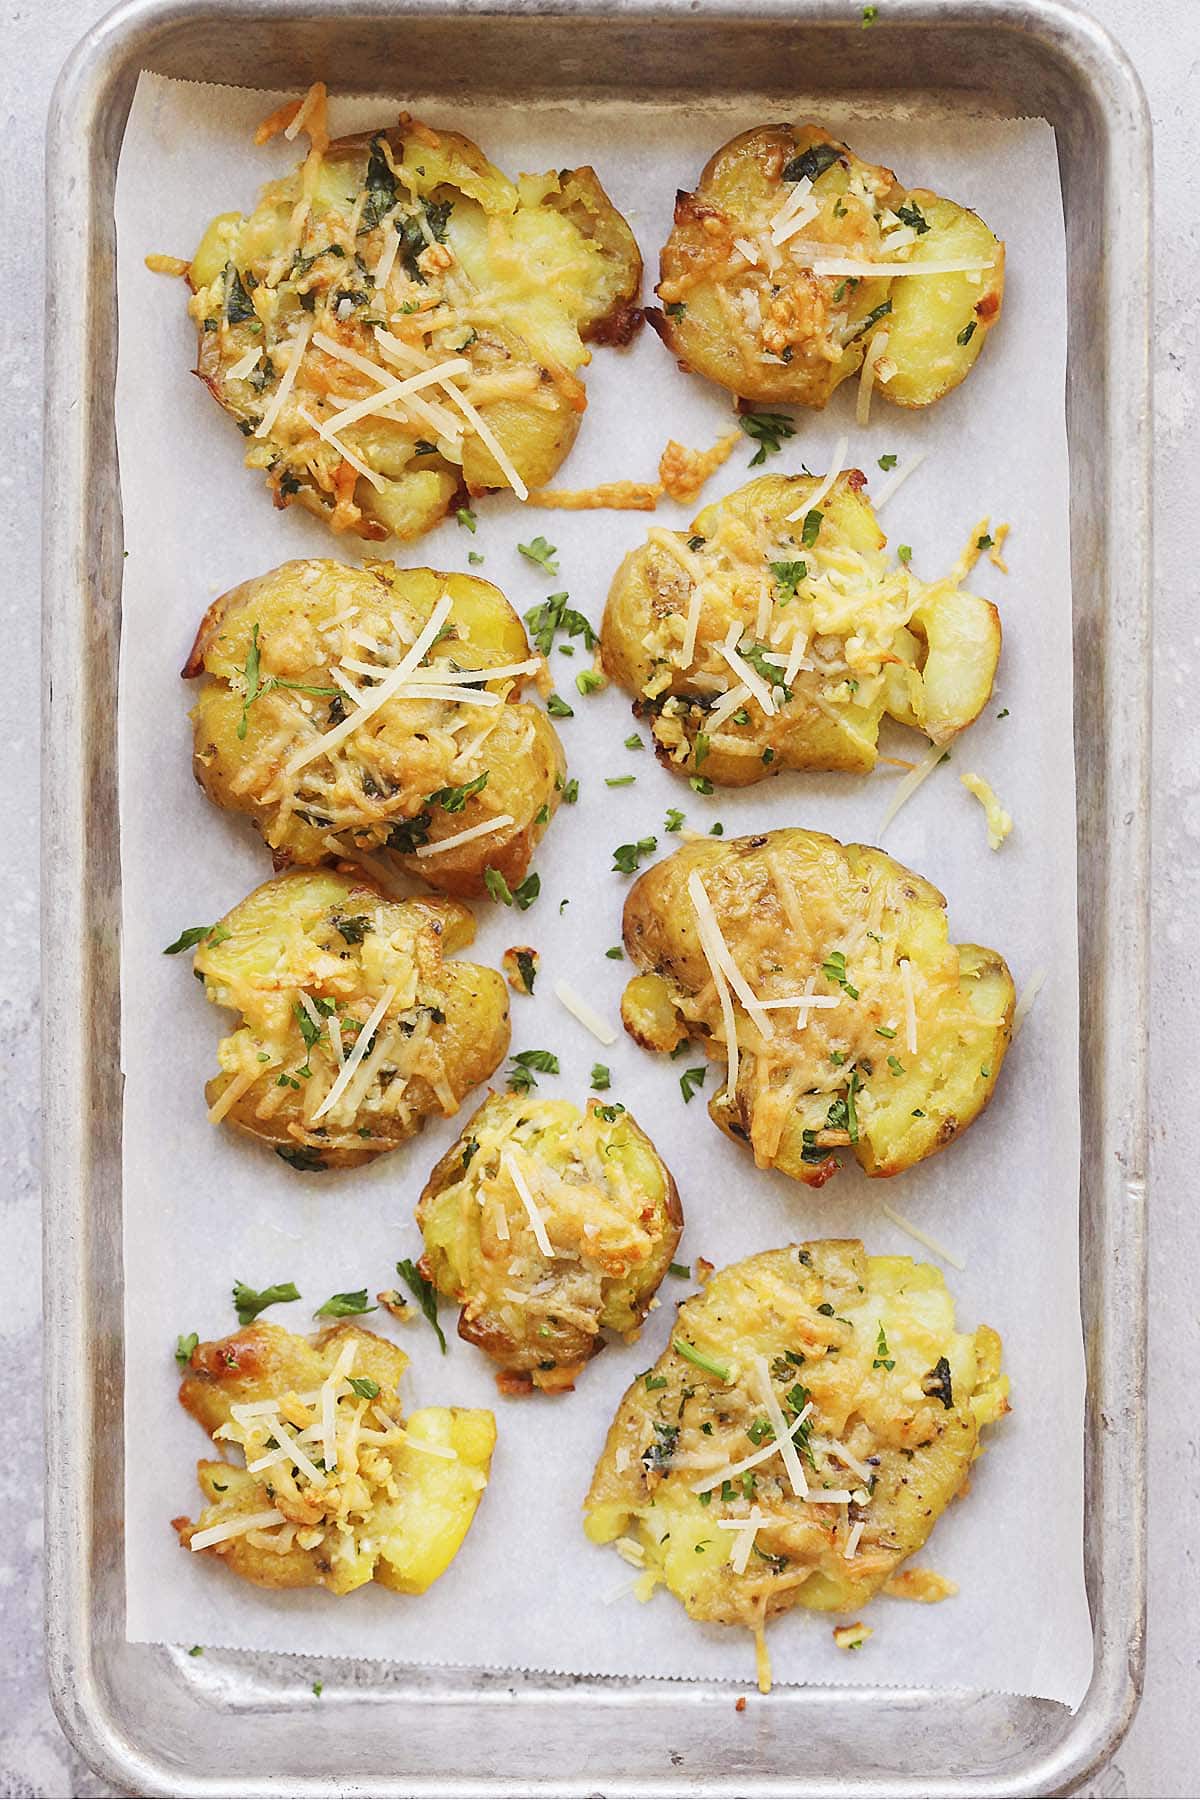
<point x="911" y="783"/>
<point x="898" y="479"/>
<point x="862" y="404"/>
<point x="377" y="697"/>
<point x="712" y="939"/>
<point x="483" y="829"/>
<point x="836" y="465"/>
<point x="847" y="266"/>
<point x="299" y="346"/>
<point x="509" y="1164"/>
<point x="357" y="1053"/>
<point x="919" y="1237"/>
<point x="587" y="1015"/>
<point x="231" y="1528"/>
<point x="746" y="675"/>
<point x="1032" y="989"/>
<point x="783" y="1437"/>
<point x="728" y="1473"/>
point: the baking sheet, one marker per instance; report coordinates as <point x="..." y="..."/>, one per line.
<point x="203" y="1208"/>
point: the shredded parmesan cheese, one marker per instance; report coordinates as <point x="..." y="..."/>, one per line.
<point x="357" y="1053"/>
<point x="999" y="822"/>
<point x="299" y="346"/>
<point x="783" y="1437"/>
<point x="862" y="404"/>
<point x="1032" y="989"/>
<point x="919" y="1237"/>
<point x="536" y="1221"/>
<point x="847" y="266"/>
<point x="587" y="1015"/>
<point x="483" y="829"/>
<point x="719" y="956"/>
<point x="837" y="463"/>
<point x="909" y="785"/>
<point x="898" y="479"/>
<point x="232" y="1528"/>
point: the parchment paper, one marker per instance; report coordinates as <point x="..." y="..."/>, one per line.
<point x="203" y="1207"/>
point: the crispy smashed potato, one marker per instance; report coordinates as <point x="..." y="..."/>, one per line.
<point x="853" y="1365"/>
<point x="312" y="960"/>
<point x="361" y="1497"/>
<point x="293" y="657"/>
<point x="792" y="255"/>
<point x="845" y="1016"/>
<point x="384" y="257"/>
<point x="775" y="635"/>
<point x="539" y="1293"/>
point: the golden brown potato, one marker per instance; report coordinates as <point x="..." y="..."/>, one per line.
<point x="608" y="1214"/>
<point x="312" y="960"/>
<point x="382" y="258"/>
<point x="776" y="635"/>
<point x="855" y="1024"/>
<point x="760" y="277"/>
<point x="373" y="1499"/>
<point x="292" y="658"/>
<point x="852" y="1359"/>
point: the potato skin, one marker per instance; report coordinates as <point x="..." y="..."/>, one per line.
<point x="337" y="940"/>
<point x="389" y="774"/>
<point x="925" y="654"/>
<point x="401" y="1514"/>
<point x="561" y="269"/>
<point x="911" y="1411"/>
<point x="773" y="332"/>
<point x="790" y="904"/>
<point x="610" y="1208"/>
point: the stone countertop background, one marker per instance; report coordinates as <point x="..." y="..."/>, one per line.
<point x="1159" y="1756"/>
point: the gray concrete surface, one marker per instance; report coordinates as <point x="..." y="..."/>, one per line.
<point x="1159" y="1757"/>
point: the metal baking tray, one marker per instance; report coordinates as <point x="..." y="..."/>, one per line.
<point x="153" y="1720"/>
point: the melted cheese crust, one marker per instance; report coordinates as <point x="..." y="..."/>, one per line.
<point x="858" y="1360"/>
<point x="453" y="774"/>
<point x="550" y="1227"/>
<point x="355" y="1025"/>
<point x="859" y="1026"/>
<point x="777" y="633"/>
<point x="422" y="321"/>
<point x="334" y="1489"/>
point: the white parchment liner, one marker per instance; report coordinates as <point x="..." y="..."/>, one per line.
<point x="202" y="1207"/>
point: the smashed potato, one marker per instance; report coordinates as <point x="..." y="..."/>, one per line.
<point x="355" y="1026"/>
<point x="329" y="1498"/>
<point x="398" y="325"/>
<point x="293" y="660"/>
<point x="776" y="635"/>
<point x="550" y="1227"/>
<point x="823" y="976"/>
<point x="812" y="1418"/>
<point x="793" y="256"/>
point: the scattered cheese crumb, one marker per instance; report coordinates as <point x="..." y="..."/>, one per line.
<point x="921" y="1585"/>
<point x="683" y="472"/>
<point x="852" y="1637"/>
<point x="616" y="496"/>
<point x="999" y="822"/>
<point x="167" y="265"/>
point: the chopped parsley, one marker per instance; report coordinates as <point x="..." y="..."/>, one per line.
<point x="888" y="462"/>
<point x="453" y="799"/>
<point x="873" y="317"/>
<point x="616" y="954"/>
<point x="708" y="1363"/>
<point x="682" y="1270"/>
<point x="674" y="819"/>
<point x="197" y="934"/>
<point x="557" y="707"/>
<point x="364" y="1386"/>
<point x="834" y="969"/>
<point x="700" y="784"/>
<point x="904" y="554"/>
<point x="571" y="792"/>
<point x="1003" y="714"/>
<point x="967" y="333"/>
<point x="769" y="431"/>
<point x="425" y="1295"/>
<point x="345" y="1306"/>
<point x="882" y="1359"/>
<point x="812" y="162"/>
<point x="601" y="1077"/>
<point x="256" y="687"/>
<point x="895" y="1065"/>
<point x="787" y="575"/>
<point x="184" y="1347"/>
<point x="911" y="214"/>
<point x="610" y="1113"/>
<point x="627" y="857"/>
<point x="675" y="309"/>
<point x="520" y="1074"/>
<point x="467" y="519"/>
<point x="526" y="962"/>
<point x="634" y="742"/>
<point x="522" y="896"/>
<point x="884" y="1031"/>
<point x="591" y="681"/>
<point x="985" y="542"/>
<point x="812" y="528"/>
<point x="691" y="1081"/>
<point x="542" y="553"/>
<point x="249" y="1302"/>
<point x="555" y="615"/>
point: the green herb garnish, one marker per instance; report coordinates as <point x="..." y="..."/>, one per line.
<point x="424" y="1293"/>
<point x="249" y="1302"/>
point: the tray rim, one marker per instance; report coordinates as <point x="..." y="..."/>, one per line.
<point x="76" y="442"/>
